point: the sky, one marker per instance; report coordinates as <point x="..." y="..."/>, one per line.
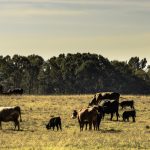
<point x="116" y="29"/>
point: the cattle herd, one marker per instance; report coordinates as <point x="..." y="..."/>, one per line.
<point x="100" y="105"/>
<point x="15" y="91"/>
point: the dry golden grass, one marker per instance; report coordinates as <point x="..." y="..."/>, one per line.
<point x="36" y="111"/>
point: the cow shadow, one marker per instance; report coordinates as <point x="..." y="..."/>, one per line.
<point x="110" y="130"/>
<point x="15" y="131"/>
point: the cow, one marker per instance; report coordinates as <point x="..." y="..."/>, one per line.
<point x="110" y="107"/>
<point x="54" y="121"/>
<point x="10" y="114"/>
<point x="127" y="114"/>
<point x="126" y="103"/>
<point x="86" y="116"/>
<point x="15" y="91"/>
<point x="1" y="89"/>
<point x="107" y="96"/>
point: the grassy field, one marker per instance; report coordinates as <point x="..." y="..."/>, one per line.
<point x="36" y="112"/>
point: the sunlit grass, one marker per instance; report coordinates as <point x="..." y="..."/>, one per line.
<point x="36" y="111"/>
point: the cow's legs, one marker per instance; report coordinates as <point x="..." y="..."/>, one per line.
<point x="117" y="115"/>
<point x="85" y="126"/>
<point x="111" y="116"/>
<point x="53" y="127"/>
<point x="60" y="127"/>
<point x="17" y="124"/>
<point x="90" y="125"/>
<point x="133" y="119"/>
<point x="95" y="125"/>
<point x="81" y="126"/>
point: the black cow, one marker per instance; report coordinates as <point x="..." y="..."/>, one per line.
<point x="55" y="121"/>
<point x="127" y="114"/>
<point x="124" y="104"/>
<point x="1" y="89"/>
<point x="110" y="107"/>
<point x="108" y="96"/>
<point x="15" y="91"/>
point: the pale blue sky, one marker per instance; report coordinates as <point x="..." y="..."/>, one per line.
<point x="117" y="29"/>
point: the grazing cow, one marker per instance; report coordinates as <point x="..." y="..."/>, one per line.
<point x="15" y="91"/>
<point x="55" y="121"/>
<point x="86" y="116"/>
<point x="127" y="114"/>
<point x="124" y="104"/>
<point x="108" y="96"/>
<point x="110" y="107"/>
<point x="10" y="114"/>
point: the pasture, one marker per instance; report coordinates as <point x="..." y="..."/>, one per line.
<point x="36" y="112"/>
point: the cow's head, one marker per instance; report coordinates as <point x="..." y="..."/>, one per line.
<point x="48" y="126"/>
<point x="99" y="97"/>
<point x="74" y="114"/>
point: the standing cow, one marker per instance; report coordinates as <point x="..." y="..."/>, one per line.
<point x="110" y="107"/>
<point x="10" y="114"/>
<point x="15" y="91"/>
<point x="86" y="116"/>
<point x="127" y="103"/>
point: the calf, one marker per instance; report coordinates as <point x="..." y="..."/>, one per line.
<point x="55" y="121"/>
<point x="10" y="114"/>
<point x="127" y="114"/>
<point x="127" y="104"/>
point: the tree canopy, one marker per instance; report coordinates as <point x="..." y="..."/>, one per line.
<point x="74" y="74"/>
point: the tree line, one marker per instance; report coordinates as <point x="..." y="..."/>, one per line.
<point x="74" y="74"/>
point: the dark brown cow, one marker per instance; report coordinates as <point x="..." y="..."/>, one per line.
<point x="86" y="116"/>
<point x="10" y="114"/>
<point x="127" y="103"/>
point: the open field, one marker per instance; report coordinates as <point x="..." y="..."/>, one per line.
<point x="36" y="111"/>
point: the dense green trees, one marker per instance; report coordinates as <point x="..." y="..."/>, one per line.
<point x="74" y="73"/>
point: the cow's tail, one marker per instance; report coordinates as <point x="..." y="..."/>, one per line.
<point x="19" y="110"/>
